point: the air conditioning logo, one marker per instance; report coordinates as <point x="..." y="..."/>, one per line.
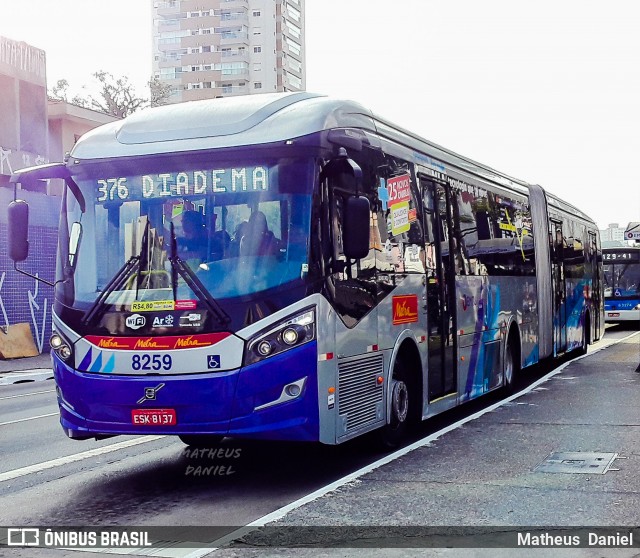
<point x="135" y="321"/>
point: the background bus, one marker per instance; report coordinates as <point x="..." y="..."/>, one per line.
<point x="347" y="276"/>
<point x="622" y="283"/>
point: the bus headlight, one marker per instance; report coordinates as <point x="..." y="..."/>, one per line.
<point x="287" y="334"/>
<point x="61" y="346"/>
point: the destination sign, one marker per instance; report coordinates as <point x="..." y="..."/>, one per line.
<point x="621" y="256"/>
<point x="178" y="184"/>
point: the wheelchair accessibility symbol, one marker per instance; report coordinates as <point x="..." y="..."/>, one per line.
<point x="213" y="361"/>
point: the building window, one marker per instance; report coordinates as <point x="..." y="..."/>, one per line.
<point x="257" y="49"/>
<point x="293" y="46"/>
<point x="256" y="13"/>
<point x="257" y="85"/>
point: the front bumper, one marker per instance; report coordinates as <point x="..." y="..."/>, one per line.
<point x="247" y="402"/>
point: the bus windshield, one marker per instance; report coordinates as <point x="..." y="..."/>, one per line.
<point x="622" y="279"/>
<point x="185" y="228"/>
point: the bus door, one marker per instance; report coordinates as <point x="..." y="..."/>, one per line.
<point x="596" y="287"/>
<point x="559" y="287"/>
<point x="440" y="286"/>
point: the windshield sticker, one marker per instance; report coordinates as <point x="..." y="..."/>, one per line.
<point x="193" y="319"/>
<point x="186" y="304"/>
<point x="135" y="321"/>
<point x="178" y="184"/>
<point x="153" y="305"/>
<point x="163" y="321"/>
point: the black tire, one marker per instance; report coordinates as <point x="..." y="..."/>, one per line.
<point x="402" y="402"/>
<point x="201" y="440"/>
<point x="586" y="336"/>
<point x="511" y="366"/>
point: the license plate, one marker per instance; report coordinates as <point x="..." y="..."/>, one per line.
<point x="614" y="314"/>
<point x="153" y="417"/>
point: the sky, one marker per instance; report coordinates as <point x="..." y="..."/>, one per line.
<point x="547" y="91"/>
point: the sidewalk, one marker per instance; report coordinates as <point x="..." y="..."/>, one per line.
<point x="26" y="369"/>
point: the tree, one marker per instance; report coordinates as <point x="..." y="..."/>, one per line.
<point x="60" y="92"/>
<point x="160" y="92"/>
<point x="116" y="97"/>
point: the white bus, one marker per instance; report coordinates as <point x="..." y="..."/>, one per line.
<point x="293" y="267"/>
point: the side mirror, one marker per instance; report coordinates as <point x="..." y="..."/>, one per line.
<point x="344" y="172"/>
<point x="18" y="230"/>
<point x="357" y="216"/>
<point x="74" y="243"/>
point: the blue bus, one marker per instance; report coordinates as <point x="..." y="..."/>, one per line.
<point x="294" y="267"/>
<point x="622" y="284"/>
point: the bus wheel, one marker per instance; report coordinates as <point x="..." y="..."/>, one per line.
<point x="392" y="434"/>
<point x="586" y="335"/>
<point x="201" y="440"/>
<point x="510" y="367"/>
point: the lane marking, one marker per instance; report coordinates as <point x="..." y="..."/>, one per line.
<point x="26" y="376"/>
<point x="9" y="475"/>
<point x="29" y="418"/>
<point x="27" y="394"/>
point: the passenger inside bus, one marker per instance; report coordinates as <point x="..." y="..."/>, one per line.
<point x="257" y="239"/>
<point x="197" y="244"/>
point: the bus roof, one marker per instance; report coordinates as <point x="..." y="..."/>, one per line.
<point x="262" y="119"/>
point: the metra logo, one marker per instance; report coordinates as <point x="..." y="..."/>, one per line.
<point x="157" y="343"/>
<point x="405" y="309"/>
<point x="111" y="343"/>
<point x="151" y="343"/>
<point x="184" y="342"/>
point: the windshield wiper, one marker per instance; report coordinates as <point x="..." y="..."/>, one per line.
<point x="143" y="258"/>
<point x="190" y="278"/>
<point x="132" y="265"/>
<point x="97" y="309"/>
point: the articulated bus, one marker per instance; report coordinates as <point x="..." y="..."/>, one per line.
<point x="621" y="283"/>
<point x="293" y="267"/>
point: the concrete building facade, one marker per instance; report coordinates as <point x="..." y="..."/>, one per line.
<point x="23" y="107"/>
<point x="217" y="48"/>
<point x="33" y="130"/>
<point x="613" y="232"/>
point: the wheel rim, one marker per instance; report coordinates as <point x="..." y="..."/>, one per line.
<point x="399" y="402"/>
<point x="508" y="367"/>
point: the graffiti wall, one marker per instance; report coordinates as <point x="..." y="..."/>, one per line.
<point x="23" y="299"/>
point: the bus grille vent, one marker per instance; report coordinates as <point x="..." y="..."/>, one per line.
<point x="359" y="392"/>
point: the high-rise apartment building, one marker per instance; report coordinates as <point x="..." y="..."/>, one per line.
<point x="220" y="48"/>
